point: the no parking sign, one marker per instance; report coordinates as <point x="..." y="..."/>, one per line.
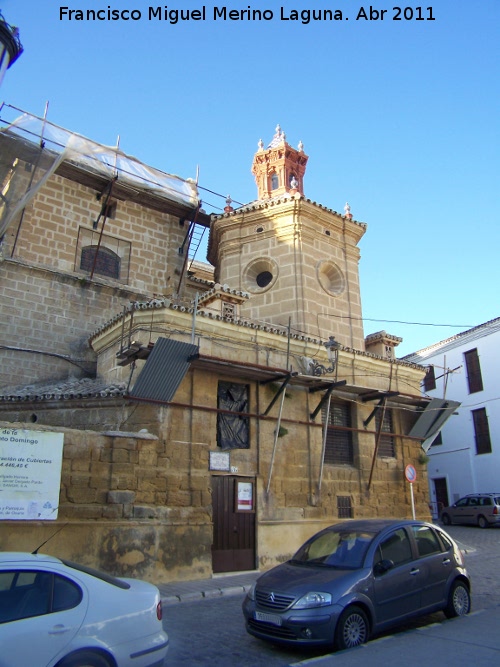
<point x="410" y="473"/>
<point x="411" y="476"/>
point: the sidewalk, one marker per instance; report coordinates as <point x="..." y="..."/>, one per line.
<point x="185" y="591"/>
<point x="459" y="642"/>
<point x="462" y="642"/>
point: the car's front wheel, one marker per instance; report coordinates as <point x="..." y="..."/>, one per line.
<point x="352" y="628"/>
<point x="458" y="600"/>
<point x="445" y="518"/>
<point x="85" y="659"/>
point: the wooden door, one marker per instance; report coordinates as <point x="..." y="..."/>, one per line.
<point x="233" y="548"/>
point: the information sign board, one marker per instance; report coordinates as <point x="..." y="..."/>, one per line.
<point x="30" y="474"/>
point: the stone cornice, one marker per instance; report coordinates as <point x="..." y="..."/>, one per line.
<point x="176" y="315"/>
<point x="280" y="207"/>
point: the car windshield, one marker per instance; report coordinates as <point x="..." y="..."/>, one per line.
<point x="335" y="548"/>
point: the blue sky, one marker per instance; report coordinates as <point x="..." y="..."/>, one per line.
<point x="399" y="118"/>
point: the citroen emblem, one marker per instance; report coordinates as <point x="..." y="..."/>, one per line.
<point x="271" y="597"/>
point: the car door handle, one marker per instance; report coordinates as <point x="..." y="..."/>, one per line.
<point x="59" y="629"/>
<point x="446" y="561"/>
<point x="414" y="571"/>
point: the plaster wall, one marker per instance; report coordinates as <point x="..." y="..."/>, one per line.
<point x="457" y="459"/>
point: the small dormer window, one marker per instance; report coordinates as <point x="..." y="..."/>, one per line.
<point x="274" y="181"/>
<point x="228" y="310"/>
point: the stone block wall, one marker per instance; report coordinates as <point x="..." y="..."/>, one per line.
<point x="48" y="317"/>
<point x="300" y="244"/>
<point x="141" y="504"/>
<point x="128" y="505"/>
<point x="48" y="234"/>
<point x="49" y="306"/>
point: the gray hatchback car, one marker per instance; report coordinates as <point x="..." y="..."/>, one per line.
<point x="357" y="578"/>
<point x="476" y="509"/>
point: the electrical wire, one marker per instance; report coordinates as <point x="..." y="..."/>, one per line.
<point x="420" y="324"/>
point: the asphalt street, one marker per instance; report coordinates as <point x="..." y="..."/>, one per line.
<point x="205" y="623"/>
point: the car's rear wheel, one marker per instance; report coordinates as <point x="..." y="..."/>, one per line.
<point x="458" y="600"/>
<point x="445" y="518"/>
<point x="482" y="522"/>
<point x="85" y="659"/>
<point x="352" y="628"/>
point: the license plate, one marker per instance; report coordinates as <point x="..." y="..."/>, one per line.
<point x="268" y="618"/>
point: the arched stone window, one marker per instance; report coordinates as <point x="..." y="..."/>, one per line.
<point x="274" y="181"/>
<point x="107" y="263"/>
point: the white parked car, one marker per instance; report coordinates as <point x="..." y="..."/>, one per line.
<point x="54" y="613"/>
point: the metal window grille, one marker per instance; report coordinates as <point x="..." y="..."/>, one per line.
<point x="228" y="310"/>
<point x="386" y="446"/>
<point x="344" y="507"/>
<point x="233" y="430"/>
<point x="339" y="441"/>
<point x="106" y="264"/>
<point x="113" y="257"/>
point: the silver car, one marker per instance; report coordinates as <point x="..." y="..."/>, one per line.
<point x="358" y="578"/>
<point x="58" y="614"/>
<point x="476" y="509"/>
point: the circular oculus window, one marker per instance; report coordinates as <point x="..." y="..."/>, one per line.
<point x="331" y="278"/>
<point x="260" y="275"/>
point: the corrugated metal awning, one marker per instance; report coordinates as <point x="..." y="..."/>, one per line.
<point x="432" y="420"/>
<point x="164" y="370"/>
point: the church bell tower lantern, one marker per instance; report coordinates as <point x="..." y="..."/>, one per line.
<point x="279" y="168"/>
<point x="297" y="260"/>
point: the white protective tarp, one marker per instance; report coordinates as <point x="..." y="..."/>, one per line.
<point x="55" y="145"/>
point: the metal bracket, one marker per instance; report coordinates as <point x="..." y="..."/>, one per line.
<point x="382" y="396"/>
<point x="282" y="388"/>
<point x="329" y="388"/>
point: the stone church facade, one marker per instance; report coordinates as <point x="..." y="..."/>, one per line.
<point x="214" y="415"/>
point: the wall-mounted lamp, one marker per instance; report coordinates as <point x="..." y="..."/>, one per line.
<point x="332" y="350"/>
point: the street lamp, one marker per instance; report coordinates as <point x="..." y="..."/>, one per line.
<point x="332" y="350"/>
<point x="10" y="46"/>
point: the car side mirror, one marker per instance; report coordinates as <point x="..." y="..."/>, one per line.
<point x="383" y="566"/>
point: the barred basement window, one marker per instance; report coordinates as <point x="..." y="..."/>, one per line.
<point x="386" y="448"/>
<point x="481" y="431"/>
<point x="339" y="445"/>
<point x="474" y="377"/>
<point x="344" y="508"/>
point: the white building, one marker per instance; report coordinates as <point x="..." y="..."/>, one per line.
<point x="465" y="456"/>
